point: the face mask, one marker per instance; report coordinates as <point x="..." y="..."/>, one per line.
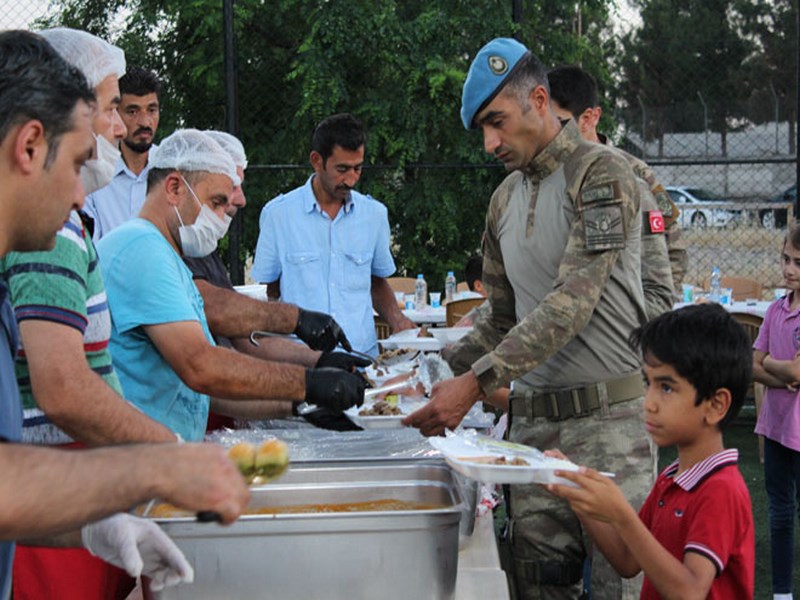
<point x="98" y="172"/>
<point x="200" y="239"/>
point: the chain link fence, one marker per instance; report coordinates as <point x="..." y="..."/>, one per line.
<point x="730" y="168"/>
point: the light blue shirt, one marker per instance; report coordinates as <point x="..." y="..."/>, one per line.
<point x="326" y="265"/>
<point x="148" y="284"/>
<point x="119" y="201"/>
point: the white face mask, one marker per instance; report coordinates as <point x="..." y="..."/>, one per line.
<point x="98" y="172"/>
<point x="200" y="239"/>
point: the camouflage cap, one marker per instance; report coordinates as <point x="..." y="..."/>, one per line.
<point x="487" y="75"/>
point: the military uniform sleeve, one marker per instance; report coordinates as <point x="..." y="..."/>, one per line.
<point x="496" y="316"/>
<point x="676" y="245"/>
<point x="606" y="196"/>
<point x="659" y="294"/>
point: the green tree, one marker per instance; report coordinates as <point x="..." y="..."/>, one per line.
<point x="398" y="65"/>
<point x="771" y="70"/>
<point x="686" y="52"/>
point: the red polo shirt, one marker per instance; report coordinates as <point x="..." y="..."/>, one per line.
<point x="706" y="510"/>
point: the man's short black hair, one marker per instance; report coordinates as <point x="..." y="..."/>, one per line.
<point x="573" y="89"/>
<point x="139" y="82"/>
<point x="473" y="271"/>
<point x="338" y="130"/>
<point x="526" y="75"/>
<point x="37" y="84"/>
<point x="706" y="346"/>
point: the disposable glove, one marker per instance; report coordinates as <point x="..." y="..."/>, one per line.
<point x="341" y="360"/>
<point x="140" y="547"/>
<point x="334" y="388"/>
<point x="325" y="418"/>
<point x="320" y="331"/>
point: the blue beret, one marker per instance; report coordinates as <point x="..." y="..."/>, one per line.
<point x="487" y="75"/>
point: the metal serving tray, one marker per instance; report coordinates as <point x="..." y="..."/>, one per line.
<point x="381" y="554"/>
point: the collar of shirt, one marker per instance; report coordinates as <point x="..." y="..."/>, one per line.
<point x="555" y="153"/>
<point x="694" y="476"/>
<point x="310" y="203"/>
<point x="785" y="304"/>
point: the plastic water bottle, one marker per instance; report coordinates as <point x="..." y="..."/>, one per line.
<point x="449" y="287"/>
<point x="715" y="285"/>
<point x="420" y="292"/>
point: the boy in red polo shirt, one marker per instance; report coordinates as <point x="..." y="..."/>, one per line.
<point x="693" y="537"/>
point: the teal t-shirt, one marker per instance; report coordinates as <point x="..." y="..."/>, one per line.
<point x="147" y="283"/>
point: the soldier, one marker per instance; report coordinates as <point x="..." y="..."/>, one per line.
<point x="574" y="96"/>
<point x="561" y="269"/>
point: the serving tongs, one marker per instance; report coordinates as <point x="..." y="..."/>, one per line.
<point x="254" y="335"/>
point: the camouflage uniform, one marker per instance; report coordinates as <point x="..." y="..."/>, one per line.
<point x="562" y="269"/>
<point x="676" y="245"/>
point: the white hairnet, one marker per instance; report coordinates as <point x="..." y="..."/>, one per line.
<point x="231" y="145"/>
<point x="192" y="150"/>
<point x="96" y="58"/>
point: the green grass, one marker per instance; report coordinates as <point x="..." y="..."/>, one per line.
<point x="740" y="435"/>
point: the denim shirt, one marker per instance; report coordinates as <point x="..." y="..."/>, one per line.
<point x="10" y="411"/>
<point x="326" y="264"/>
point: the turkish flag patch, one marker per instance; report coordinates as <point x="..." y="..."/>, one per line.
<point x="656" y="221"/>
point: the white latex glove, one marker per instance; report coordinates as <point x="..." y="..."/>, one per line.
<point x="140" y="547"/>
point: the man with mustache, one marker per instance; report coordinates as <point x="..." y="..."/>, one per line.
<point x="325" y="246"/>
<point x="139" y="108"/>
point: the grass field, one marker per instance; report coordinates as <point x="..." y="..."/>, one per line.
<point x="740" y="435"/>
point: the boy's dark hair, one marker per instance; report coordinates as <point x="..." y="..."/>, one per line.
<point x="37" y="84"/>
<point x="139" y="82"/>
<point x="473" y="271"/>
<point x="573" y="89"/>
<point x="338" y="130"/>
<point x="706" y="346"/>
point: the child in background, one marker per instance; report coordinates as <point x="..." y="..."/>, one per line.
<point x="776" y="364"/>
<point x="694" y="536"/>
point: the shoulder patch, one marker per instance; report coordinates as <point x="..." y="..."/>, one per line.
<point x="604" y="227"/>
<point x="606" y="191"/>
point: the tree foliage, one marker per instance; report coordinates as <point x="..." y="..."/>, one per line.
<point x="687" y="52"/>
<point x="397" y="64"/>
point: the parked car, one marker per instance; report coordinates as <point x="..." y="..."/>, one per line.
<point x="702" y="215"/>
<point x="771" y="219"/>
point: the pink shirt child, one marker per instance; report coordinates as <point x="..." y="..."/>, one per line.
<point x="779" y="336"/>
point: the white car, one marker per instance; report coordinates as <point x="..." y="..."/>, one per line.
<point x="699" y="208"/>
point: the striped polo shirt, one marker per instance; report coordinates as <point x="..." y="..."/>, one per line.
<point x="62" y="286"/>
<point x="706" y="510"/>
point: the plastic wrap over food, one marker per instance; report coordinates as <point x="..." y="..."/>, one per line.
<point x="312" y="444"/>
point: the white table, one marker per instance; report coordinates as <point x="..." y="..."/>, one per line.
<point x="479" y="575"/>
<point x="758" y="308"/>
<point x="435" y="316"/>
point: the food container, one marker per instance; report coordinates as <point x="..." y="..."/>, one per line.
<point x="370" y="554"/>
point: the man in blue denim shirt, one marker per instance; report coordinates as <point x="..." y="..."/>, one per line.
<point x="325" y="247"/>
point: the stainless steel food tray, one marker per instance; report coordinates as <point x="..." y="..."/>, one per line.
<point x="382" y="554"/>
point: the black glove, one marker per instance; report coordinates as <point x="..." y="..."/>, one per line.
<point x="341" y="360"/>
<point x="320" y="331"/>
<point x="334" y="388"/>
<point x="325" y="418"/>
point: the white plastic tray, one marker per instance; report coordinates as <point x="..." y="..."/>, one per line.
<point x="449" y="335"/>
<point x="460" y="447"/>
<point x="409" y="339"/>
<point x="407" y="406"/>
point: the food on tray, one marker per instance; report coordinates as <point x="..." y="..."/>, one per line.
<point x="497" y="460"/>
<point x="266" y="462"/>
<point x="390" y="354"/>
<point x="381" y="408"/>
<point x="167" y="511"/>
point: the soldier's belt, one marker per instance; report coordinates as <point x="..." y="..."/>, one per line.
<point x="575" y="402"/>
